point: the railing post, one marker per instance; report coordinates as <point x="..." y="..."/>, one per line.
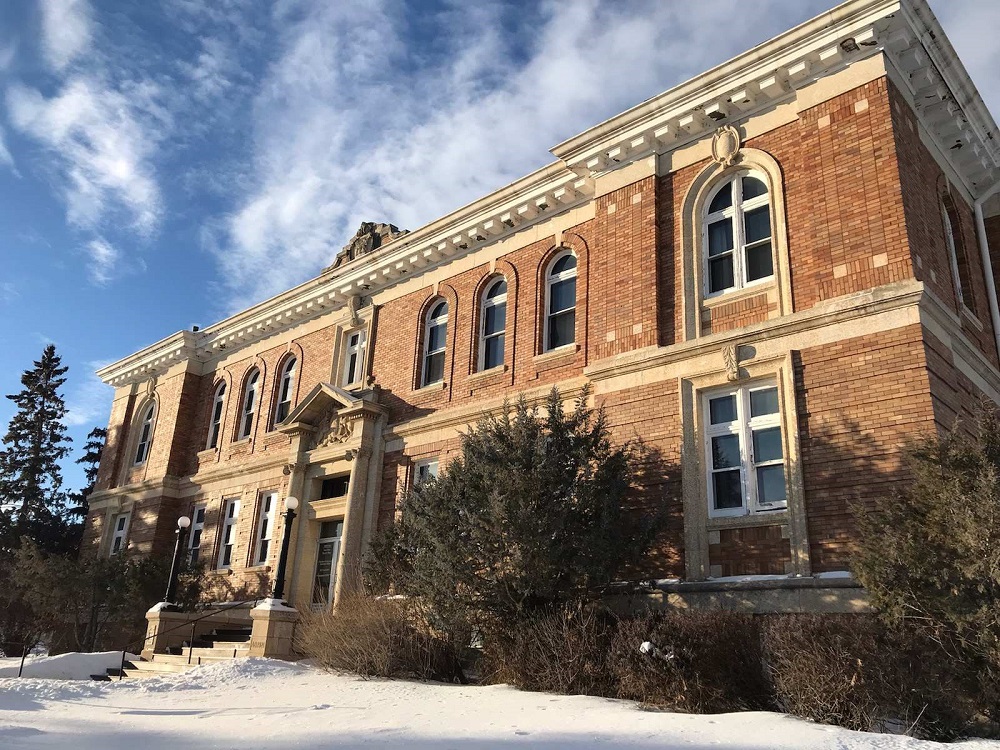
<point x="24" y="654"/>
<point x="191" y="643"/>
<point x="121" y="667"/>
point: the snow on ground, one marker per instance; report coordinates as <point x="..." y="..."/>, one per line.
<point x="257" y="703"/>
<point x="63" y="666"/>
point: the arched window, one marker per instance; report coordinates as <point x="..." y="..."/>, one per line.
<point x="560" y="302"/>
<point x="248" y="408"/>
<point x="738" y="246"/>
<point x="286" y="387"/>
<point x="435" y="337"/>
<point x="493" y="325"/>
<point x="956" y="254"/>
<point x="218" y="405"/>
<point x="145" y="435"/>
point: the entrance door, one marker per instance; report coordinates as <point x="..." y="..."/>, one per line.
<point x="330" y="534"/>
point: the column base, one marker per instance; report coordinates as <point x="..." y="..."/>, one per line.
<point x="273" y="630"/>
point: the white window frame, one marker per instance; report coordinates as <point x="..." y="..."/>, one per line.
<point x="218" y="411"/>
<point x="197" y="527"/>
<point x="736" y="213"/>
<point x="286" y="384"/>
<point x="119" y="533"/>
<point x="227" y="532"/>
<point x="424" y="470"/>
<point x="265" y="527"/>
<point x="248" y="404"/>
<point x="949" y="238"/>
<point x="551" y="279"/>
<point x="430" y="323"/>
<point x="488" y="303"/>
<point x="145" y="441"/>
<point x="355" y="342"/>
<point x="743" y="427"/>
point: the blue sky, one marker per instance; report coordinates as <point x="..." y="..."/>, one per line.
<point x="164" y="163"/>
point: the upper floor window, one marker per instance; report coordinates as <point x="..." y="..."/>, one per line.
<point x="743" y="445"/>
<point x="248" y="409"/>
<point x="354" y="358"/>
<point x="494" y="324"/>
<point x="218" y="405"/>
<point x="560" y="302"/>
<point x="119" y="532"/>
<point x="286" y="387"/>
<point x="435" y="337"/>
<point x="145" y="435"/>
<point x="957" y="255"/>
<point x="738" y="246"/>
<point x="197" y="528"/>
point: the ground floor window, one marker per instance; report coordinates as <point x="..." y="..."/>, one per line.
<point x="119" y="533"/>
<point x="265" y="526"/>
<point x="330" y="534"/>
<point x="744" y="451"/>
<point x="194" y="540"/>
<point x="424" y="471"/>
<point x="230" y="514"/>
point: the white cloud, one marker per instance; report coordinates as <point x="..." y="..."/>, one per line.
<point x="90" y="401"/>
<point x="8" y="292"/>
<point x="66" y="31"/>
<point x="104" y="260"/>
<point x="6" y="160"/>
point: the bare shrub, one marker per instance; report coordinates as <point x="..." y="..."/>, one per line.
<point x="377" y="637"/>
<point x="701" y="662"/>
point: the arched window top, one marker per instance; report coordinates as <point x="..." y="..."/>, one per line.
<point x="435" y="338"/>
<point x="737" y="233"/>
<point x="289" y="366"/>
<point x="439" y="310"/>
<point x="248" y="407"/>
<point x="497" y="288"/>
<point x="493" y="324"/>
<point x="253" y="377"/>
<point x="564" y="263"/>
<point x="220" y="389"/>
<point x="145" y="425"/>
<point x="286" y="387"/>
<point x="218" y="404"/>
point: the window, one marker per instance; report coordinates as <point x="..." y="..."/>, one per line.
<point x="230" y="514"/>
<point x="334" y="487"/>
<point x="738" y="234"/>
<point x="249" y="409"/>
<point x="286" y="387"/>
<point x="560" y="302"/>
<point x="120" y="531"/>
<point x="424" y="471"/>
<point x="194" y="539"/>
<point x="354" y="358"/>
<point x="145" y="436"/>
<point x="745" y="458"/>
<point x="265" y="526"/>
<point x="327" y="556"/>
<point x="493" y="325"/>
<point x="218" y="404"/>
<point x="956" y="254"/>
<point x="435" y="336"/>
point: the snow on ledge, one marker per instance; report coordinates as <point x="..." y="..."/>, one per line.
<point x="274" y="605"/>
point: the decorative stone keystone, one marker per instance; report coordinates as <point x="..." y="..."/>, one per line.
<point x="273" y="629"/>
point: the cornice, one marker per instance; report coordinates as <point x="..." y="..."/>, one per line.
<point x="944" y="97"/>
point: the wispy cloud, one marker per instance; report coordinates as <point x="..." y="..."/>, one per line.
<point x="104" y="260"/>
<point x="6" y="160"/>
<point x="352" y="124"/>
<point x="8" y="292"/>
<point x="66" y="31"/>
<point x="89" y="401"/>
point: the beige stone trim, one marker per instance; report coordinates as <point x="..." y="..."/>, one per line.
<point x="697" y="523"/>
<point x="624" y="176"/>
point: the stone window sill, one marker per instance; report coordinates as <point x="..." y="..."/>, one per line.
<point x="563" y="352"/>
<point x="430" y="388"/>
<point x="736" y="295"/>
<point x="970" y="317"/>
<point x="767" y="518"/>
<point x="486" y="374"/>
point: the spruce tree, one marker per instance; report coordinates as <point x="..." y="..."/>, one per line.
<point x="91" y="461"/>
<point x="31" y="492"/>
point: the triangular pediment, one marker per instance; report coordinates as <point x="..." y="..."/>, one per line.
<point x="318" y="405"/>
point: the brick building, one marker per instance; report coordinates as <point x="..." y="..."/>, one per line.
<point x="774" y="274"/>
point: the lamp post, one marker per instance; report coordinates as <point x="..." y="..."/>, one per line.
<point x="291" y="503"/>
<point x="175" y="566"/>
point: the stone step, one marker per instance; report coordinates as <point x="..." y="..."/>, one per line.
<point x="155" y="666"/>
<point x="198" y="657"/>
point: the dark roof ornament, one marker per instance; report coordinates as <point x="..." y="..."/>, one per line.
<point x="369" y="237"/>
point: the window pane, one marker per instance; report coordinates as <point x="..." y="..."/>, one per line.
<point x="722" y="200"/>
<point x="728" y="492"/>
<point x="495" y="319"/>
<point x="497" y="289"/>
<point x="767" y="445"/>
<point x="759" y="265"/>
<point x="563" y="295"/>
<point x="562" y="329"/>
<point x="764" y="401"/>
<point x="199" y="515"/>
<point x="440" y="309"/>
<point x="436" y="336"/>
<point x="565" y="263"/>
<point x="723" y="409"/>
<point x="725" y="452"/>
<point x="758" y="224"/>
<point x="720" y="273"/>
<point x="435" y="368"/>
<point x="752" y="187"/>
<point x="720" y="237"/>
<point x="493" y="356"/>
<point x="770" y="484"/>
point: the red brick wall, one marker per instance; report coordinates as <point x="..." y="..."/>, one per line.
<point x="755" y="550"/>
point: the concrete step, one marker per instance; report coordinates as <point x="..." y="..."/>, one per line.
<point x="156" y="666"/>
<point x="198" y="657"/>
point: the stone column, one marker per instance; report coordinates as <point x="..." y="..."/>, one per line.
<point x="349" y="565"/>
<point x="273" y="631"/>
<point x="296" y="485"/>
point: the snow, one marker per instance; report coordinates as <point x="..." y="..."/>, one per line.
<point x="274" y="605"/>
<point x="260" y="703"/>
<point x="63" y="666"/>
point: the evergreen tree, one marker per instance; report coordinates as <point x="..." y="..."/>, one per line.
<point x="31" y="492"/>
<point x="532" y="514"/>
<point x="91" y="461"/>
